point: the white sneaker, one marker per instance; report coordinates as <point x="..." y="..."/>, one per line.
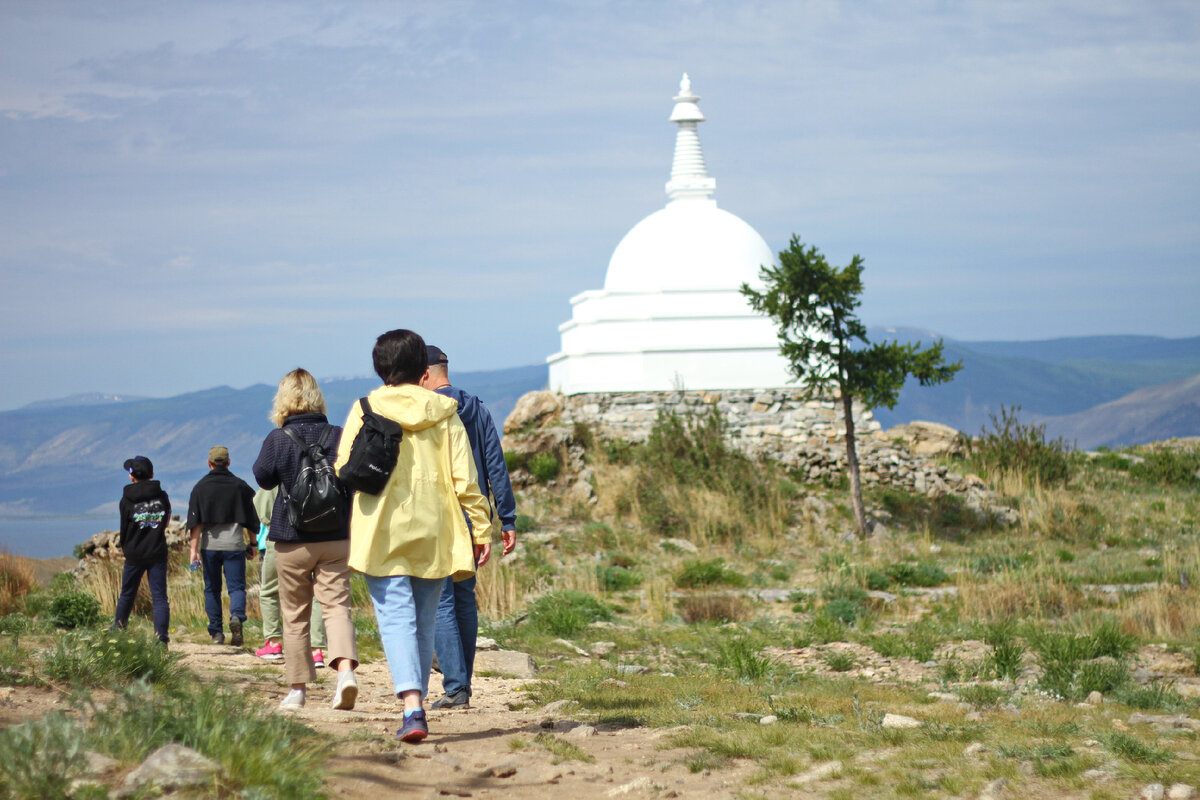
<point x="346" y="692"/>
<point x="294" y="699"/>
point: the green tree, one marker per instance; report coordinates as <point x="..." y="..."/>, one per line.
<point x="813" y="307"/>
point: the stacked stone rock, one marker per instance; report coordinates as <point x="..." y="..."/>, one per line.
<point x="104" y="546"/>
<point x="807" y="435"/>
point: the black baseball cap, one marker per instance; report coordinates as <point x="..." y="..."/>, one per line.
<point x="139" y="467"/>
<point x="436" y="355"/>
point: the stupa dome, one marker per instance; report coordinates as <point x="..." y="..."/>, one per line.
<point x="671" y="314"/>
<point x="689" y="244"/>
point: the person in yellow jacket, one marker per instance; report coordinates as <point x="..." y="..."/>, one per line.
<point x="410" y="537"/>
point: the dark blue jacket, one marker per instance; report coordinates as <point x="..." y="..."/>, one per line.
<point x="489" y="458"/>
<point x="278" y="464"/>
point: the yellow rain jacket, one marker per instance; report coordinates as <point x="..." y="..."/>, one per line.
<point x="415" y="526"/>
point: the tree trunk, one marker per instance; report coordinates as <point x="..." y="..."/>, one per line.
<point x="860" y="513"/>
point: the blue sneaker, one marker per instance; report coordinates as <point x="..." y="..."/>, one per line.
<point x="414" y="728"/>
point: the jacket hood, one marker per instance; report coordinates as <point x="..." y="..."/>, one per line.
<point x="142" y="490"/>
<point x="413" y="407"/>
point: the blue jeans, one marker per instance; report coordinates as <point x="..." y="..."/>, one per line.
<point x="156" y="576"/>
<point x="457" y="628"/>
<point x="406" y="612"/>
<point x="233" y="564"/>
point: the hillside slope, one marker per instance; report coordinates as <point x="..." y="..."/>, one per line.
<point x="1147" y="415"/>
<point x="66" y="460"/>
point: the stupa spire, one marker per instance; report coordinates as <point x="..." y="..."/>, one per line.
<point x="689" y="175"/>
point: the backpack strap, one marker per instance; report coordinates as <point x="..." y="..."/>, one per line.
<point x="304" y="448"/>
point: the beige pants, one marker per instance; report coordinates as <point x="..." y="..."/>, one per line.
<point x="305" y="569"/>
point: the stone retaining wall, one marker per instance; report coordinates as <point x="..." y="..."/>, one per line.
<point x="807" y="435"/>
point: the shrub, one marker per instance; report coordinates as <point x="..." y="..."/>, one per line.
<point x="982" y="696"/>
<point x="74" y="609"/>
<point x="686" y="456"/>
<point x="544" y="466"/>
<point x="712" y="608"/>
<point x="566" y="612"/>
<point x="698" y="573"/>
<point x="843" y="610"/>
<point x="1134" y="749"/>
<point x="1154" y="696"/>
<point x="98" y="658"/>
<point x="923" y="573"/>
<point x="1004" y="660"/>
<point x="1169" y="467"/>
<point x="16" y="581"/>
<point x="1011" y="447"/>
<point x="1070" y="668"/>
<point x="887" y="645"/>
<point x="616" y="578"/>
<point x="741" y="656"/>
<point x="839" y="661"/>
<point x="41" y="757"/>
<point x="515" y="461"/>
<point x="270" y="755"/>
<point x="525" y="523"/>
<point x="845" y="602"/>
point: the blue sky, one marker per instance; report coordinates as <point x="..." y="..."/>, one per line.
<point x="194" y="194"/>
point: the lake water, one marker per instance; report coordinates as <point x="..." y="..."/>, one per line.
<point x="49" y="537"/>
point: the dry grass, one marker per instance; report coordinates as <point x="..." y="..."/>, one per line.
<point x="1163" y="612"/>
<point x="498" y="592"/>
<point x="16" y="581"/>
<point x="706" y="607"/>
<point x="185" y="591"/>
<point x="1040" y="592"/>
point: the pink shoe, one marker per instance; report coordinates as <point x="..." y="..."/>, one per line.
<point x="271" y="651"/>
<point x="318" y="659"/>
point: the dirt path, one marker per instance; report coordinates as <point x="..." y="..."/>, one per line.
<point x="485" y="751"/>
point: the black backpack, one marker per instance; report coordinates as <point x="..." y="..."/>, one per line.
<point x="317" y="501"/>
<point x="373" y="453"/>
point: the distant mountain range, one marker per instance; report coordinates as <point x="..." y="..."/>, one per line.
<point x="64" y="456"/>
<point x="66" y="459"/>
<point x="1055" y="381"/>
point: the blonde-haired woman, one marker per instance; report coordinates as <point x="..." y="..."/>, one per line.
<point x="307" y="564"/>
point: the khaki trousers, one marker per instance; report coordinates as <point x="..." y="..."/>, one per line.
<point x="306" y="569"/>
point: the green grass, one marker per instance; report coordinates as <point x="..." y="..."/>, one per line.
<point x="103" y="658"/>
<point x="563" y="750"/>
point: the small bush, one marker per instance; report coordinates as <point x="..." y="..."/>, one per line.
<point x="63" y="582"/>
<point x="823" y="629"/>
<point x="839" y="661"/>
<point x="1010" y="447"/>
<point x="712" y="608"/>
<point x="923" y="573"/>
<point x="982" y="696"/>
<point x="843" y="610"/>
<point x="544" y="467"/>
<point x="1169" y="467"/>
<point x="98" y="658"/>
<point x="616" y="578"/>
<point x="525" y="523"/>
<point x="1134" y="749"/>
<point x="888" y="645"/>
<point x="1102" y="676"/>
<point x="41" y="758"/>
<point x="698" y="573"/>
<point x="566" y="612"/>
<point x="16" y="581"/>
<point x="265" y="754"/>
<point x="741" y="656"/>
<point x="515" y="461"/>
<point x="1004" y="660"/>
<point x="74" y="609"/>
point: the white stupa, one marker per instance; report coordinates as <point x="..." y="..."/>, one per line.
<point x="670" y="315"/>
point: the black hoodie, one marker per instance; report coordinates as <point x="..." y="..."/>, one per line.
<point x="145" y="512"/>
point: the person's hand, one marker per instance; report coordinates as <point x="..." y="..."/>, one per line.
<point x="509" y="538"/>
<point x="482" y="553"/>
